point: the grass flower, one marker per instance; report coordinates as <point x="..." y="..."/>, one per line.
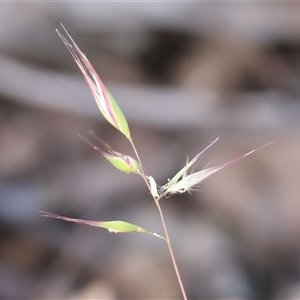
<point x="187" y="181"/>
<point x="121" y="161"/>
<point x="105" y="101"/>
<point x="111" y="226"/>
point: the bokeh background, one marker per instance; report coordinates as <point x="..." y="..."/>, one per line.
<point x="184" y="73"/>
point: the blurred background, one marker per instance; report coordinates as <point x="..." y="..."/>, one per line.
<point x="184" y="73"/>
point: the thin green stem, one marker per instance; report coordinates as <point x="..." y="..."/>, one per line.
<point x="167" y="237"/>
<point x="143" y="173"/>
<point x="171" y="251"/>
